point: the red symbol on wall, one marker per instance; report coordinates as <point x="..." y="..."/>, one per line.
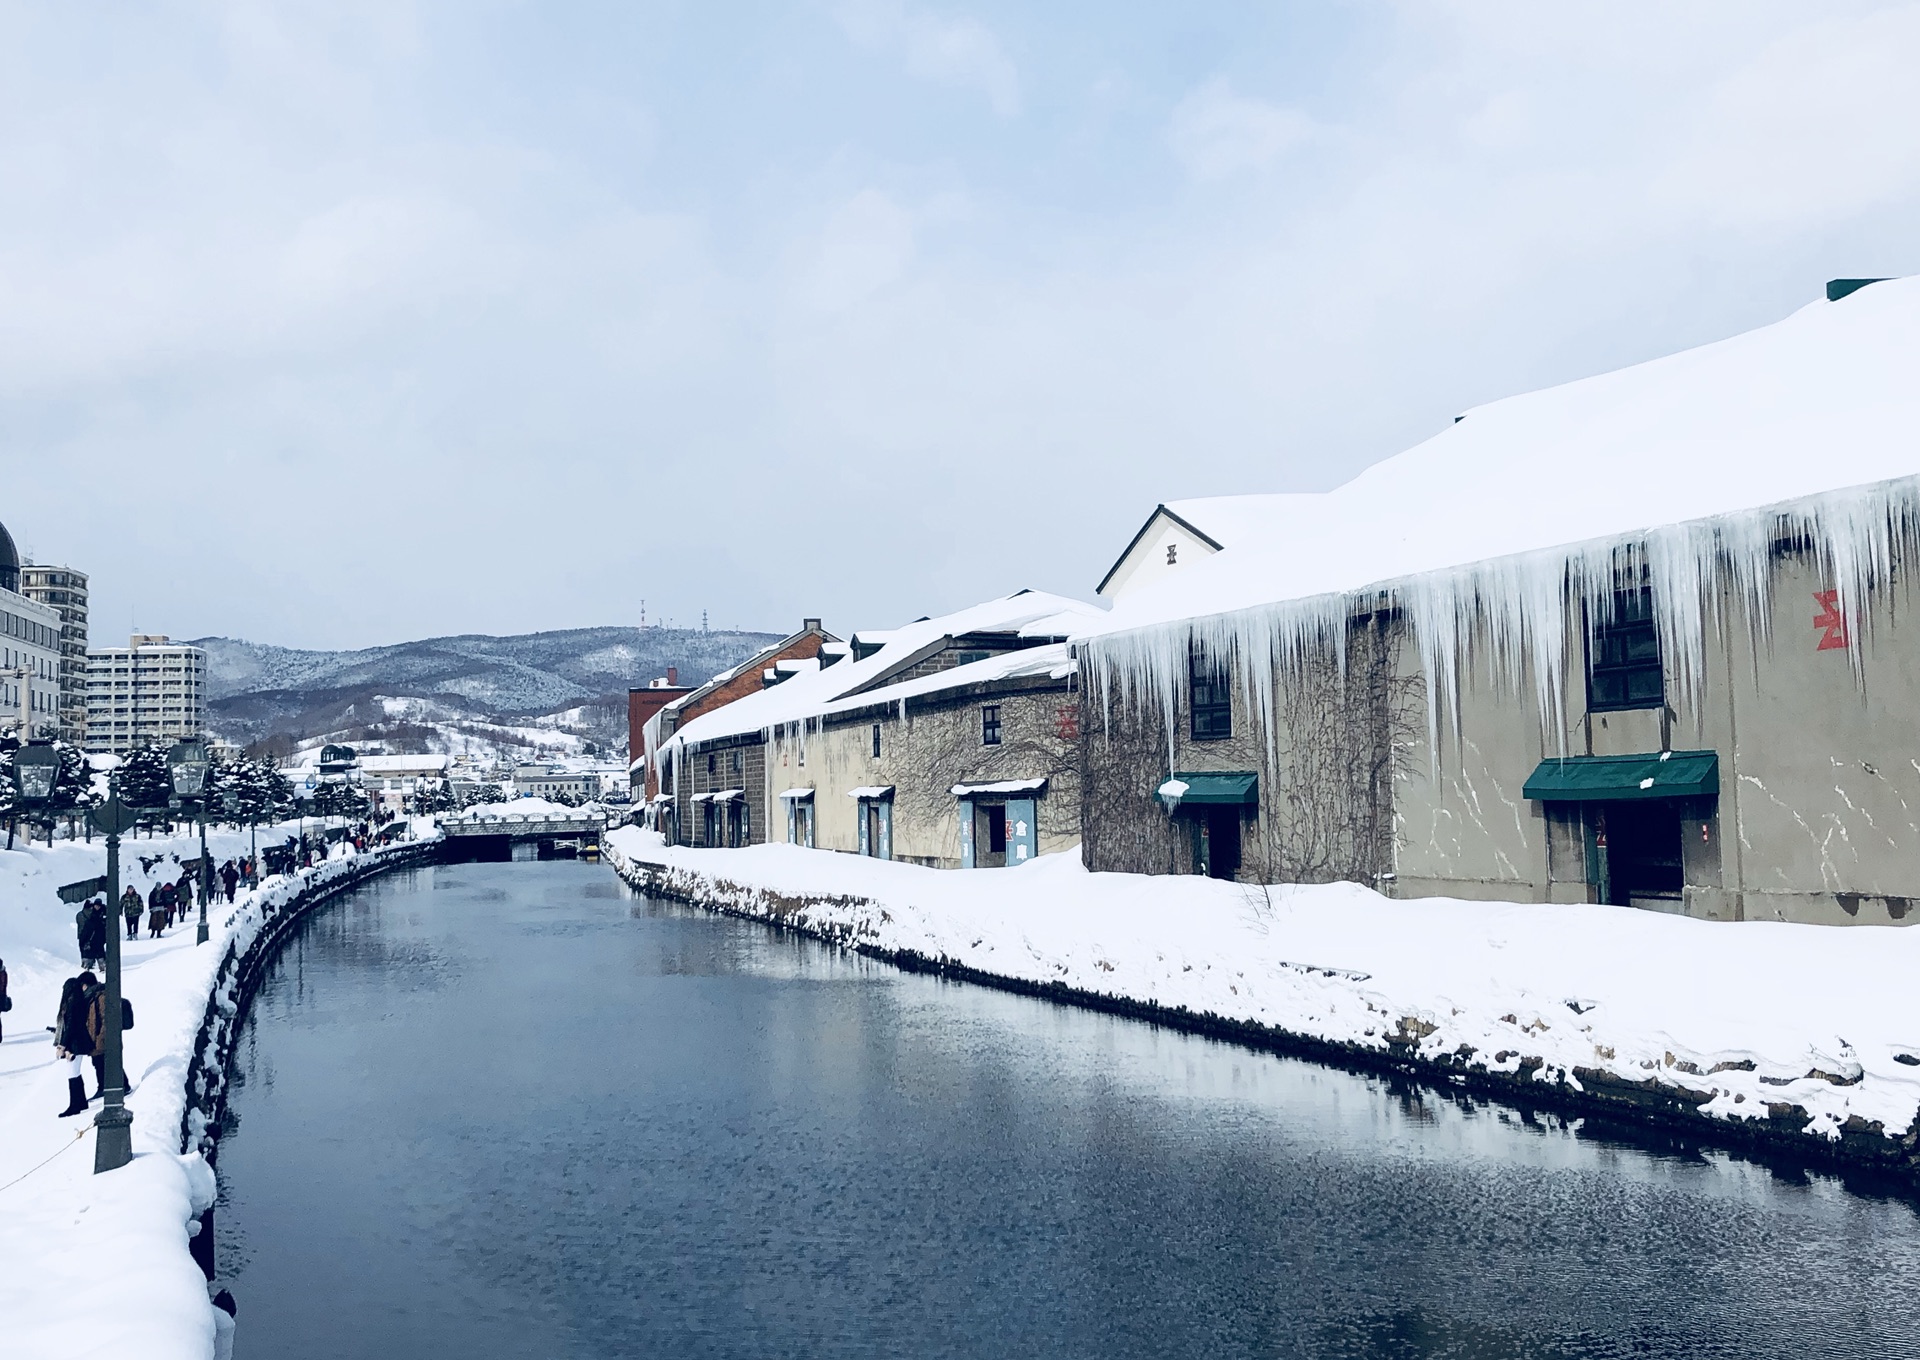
<point x="1830" y="620"/>
<point x="1066" y="722"/>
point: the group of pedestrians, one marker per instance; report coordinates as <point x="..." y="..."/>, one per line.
<point x="165" y="905"/>
<point x="79" y="1034"/>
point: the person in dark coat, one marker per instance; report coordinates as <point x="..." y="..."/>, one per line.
<point x="71" y="1040"/>
<point x="183" y="894"/>
<point x="130" y="907"/>
<point x="229" y="878"/>
<point x="6" y="1002"/>
<point x="92" y="924"/>
<point x="157" y="911"/>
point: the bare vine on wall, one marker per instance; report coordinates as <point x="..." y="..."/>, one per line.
<point x="1123" y="760"/>
<point x="1034" y="744"/>
<point x="1341" y="730"/>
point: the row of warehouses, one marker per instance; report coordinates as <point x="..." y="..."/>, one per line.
<point x="1640" y="639"/>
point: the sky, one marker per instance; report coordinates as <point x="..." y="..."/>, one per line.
<point x="338" y="324"/>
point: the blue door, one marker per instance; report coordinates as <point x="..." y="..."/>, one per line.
<point x="1023" y="831"/>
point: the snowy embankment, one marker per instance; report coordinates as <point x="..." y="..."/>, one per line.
<point x="101" y="1264"/>
<point x="1802" y="1035"/>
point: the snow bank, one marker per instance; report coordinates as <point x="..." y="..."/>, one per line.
<point x="1802" y="1029"/>
<point x="99" y="1264"/>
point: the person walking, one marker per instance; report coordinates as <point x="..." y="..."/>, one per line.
<point x="157" y="911"/>
<point x="71" y="1042"/>
<point x="93" y="933"/>
<point x="183" y="894"/>
<point x="229" y="878"/>
<point x="130" y="905"/>
<point x="6" y="1002"/>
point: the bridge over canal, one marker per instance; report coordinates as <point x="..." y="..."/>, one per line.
<point x="499" y="833"/>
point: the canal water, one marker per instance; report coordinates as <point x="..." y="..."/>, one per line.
<point x="496" y="1110"/>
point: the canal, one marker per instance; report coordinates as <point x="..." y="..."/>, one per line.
<point x="496" y="1110"/>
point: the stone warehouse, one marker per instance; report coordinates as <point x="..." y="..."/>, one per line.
<point x="1644" y="639"/>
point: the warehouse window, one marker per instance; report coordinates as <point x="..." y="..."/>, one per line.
<point x="876" y="741"/>
<point x="1623" y="658"/>
<point x="990" y="725"/>
<point x="1212" y="694"/>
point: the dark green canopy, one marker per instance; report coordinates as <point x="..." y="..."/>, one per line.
<point x="1215" y="787"/>
<point x="1619" y="779"/>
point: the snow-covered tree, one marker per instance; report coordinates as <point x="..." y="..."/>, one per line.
<point x="248" y="790"/>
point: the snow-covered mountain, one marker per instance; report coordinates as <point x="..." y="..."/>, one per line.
<point x="258" y="690"/>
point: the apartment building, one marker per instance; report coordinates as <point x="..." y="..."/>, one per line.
<point x="151" y="691"/>
<point x="64" y="590"/>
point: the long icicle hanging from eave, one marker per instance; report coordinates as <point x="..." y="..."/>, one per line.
<point x="1521" y="610"/>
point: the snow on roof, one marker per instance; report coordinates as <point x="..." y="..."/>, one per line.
<point x="1228" y="520"/>
<point x="871" y="791"/>
<point x="795" y="793"/>
<point x="1825" y="399"/>
<point x="388" y="764"/>
<point x="1001" y="786"/>
<point x="1028" y="614"/>
<point x="1692" y="457"/>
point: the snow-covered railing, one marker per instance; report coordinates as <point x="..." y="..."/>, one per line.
<point x="257" y="928"/>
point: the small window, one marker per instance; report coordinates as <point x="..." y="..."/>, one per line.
<point x="1623" y="661"/>
<point x="1211" y="692"/>
<point x="710" y="765"/>
<point x="990" y="725"/>
<point x="876" y="741"/>
<point x="1173" y="554"/>
<point x="733" y="762"/>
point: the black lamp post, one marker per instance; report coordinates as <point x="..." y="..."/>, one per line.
<point x="187" y="763"/>
<point x="35" y="768"/>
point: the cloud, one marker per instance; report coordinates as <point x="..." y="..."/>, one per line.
<point x="960" y="52"/>
<point x="866" y="244"/>
<point x="1216" y="133"/>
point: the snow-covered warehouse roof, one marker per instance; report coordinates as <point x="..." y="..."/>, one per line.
<point x="1695" y="459"/>
<point x="1029" y="614"/>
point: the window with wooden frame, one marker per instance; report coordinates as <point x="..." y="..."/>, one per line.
<point x="990" y="724"/>
<point x="1623" y="657"/>
<point x="876" y="741"/>
<point x="1210" y="695"/>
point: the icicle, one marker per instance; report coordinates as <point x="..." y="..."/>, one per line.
<point x="1519" y="608"/>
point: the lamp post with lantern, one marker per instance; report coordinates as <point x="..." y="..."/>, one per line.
<point x="35" y="768"/>
<point x="188" y="765"/>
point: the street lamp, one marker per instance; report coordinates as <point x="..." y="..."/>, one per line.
<point x="188" y="764"/>
<point x="34" y="770"/>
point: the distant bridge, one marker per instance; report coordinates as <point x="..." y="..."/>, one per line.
<point x="490" y="834"/>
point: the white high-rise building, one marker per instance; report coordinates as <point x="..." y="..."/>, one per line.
<point x="64" y="590"/>
<point x="153" y="691"/>
<point x="29" y="653"/>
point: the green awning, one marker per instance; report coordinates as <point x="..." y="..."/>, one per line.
<point x="1609" y="779"/>
<point x="1208" y="787"/>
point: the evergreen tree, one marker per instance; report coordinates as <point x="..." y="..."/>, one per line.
<point x="145" y="781"/>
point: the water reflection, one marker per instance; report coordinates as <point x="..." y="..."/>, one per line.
<point x="508" y="1109"/>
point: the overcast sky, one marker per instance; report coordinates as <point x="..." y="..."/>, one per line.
<point x="338" y="324"/>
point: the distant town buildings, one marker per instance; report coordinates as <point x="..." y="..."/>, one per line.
<point x="153" y="690"/>
<point x="542" y="781"/>
<point x="64" y="590"/>
<point x="29" y="652"/>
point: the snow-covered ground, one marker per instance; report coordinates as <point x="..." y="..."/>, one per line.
<point x="99" y="1265"/>
<point x="1744" y="1021"/>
